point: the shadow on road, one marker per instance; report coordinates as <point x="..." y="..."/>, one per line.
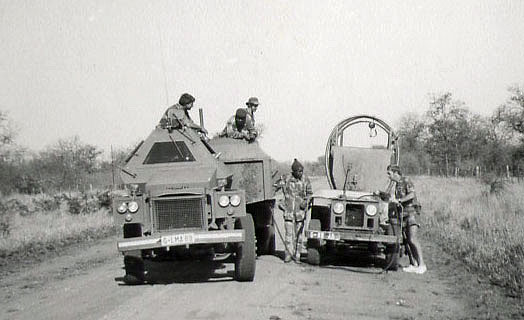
<point x="195" y="271"/>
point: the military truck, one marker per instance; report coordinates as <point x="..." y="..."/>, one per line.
<point x="351" y="215"/>
<point x="191" y="198"/>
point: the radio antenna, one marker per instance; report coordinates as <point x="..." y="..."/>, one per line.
<point x="162" y="60"/>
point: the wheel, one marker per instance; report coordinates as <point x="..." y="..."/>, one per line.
<point x="314" y="224"/>
<point x="245" y="259"/>
<point x="313" y="256"/>
<point x="135" y="270"/>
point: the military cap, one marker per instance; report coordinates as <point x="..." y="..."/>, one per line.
<point x="253" y="101"/>
<point x="296" y="165"/>
<point x="241" y="113"/>
<point x="186" y="99"/>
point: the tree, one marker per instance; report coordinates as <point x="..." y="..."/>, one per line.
<point x="448" y="129"/>
<point x="412" y="134"/>
<point x="67" y="162"/>
<point x="511" y="113"/>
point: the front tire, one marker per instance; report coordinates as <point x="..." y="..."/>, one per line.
<point x="245" y="259"/>
<point x="135" y="269"/>
<point x="313" y="256"/>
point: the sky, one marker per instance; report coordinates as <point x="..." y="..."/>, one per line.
<point x="107" y="70"/>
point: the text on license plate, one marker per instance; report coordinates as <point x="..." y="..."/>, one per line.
<point x="177" y="239"/>
<point x="324" y="235"/>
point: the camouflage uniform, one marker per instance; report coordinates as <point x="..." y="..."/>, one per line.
<point x="231" y="131"/>
<point x="179" y="113"/>
<point x="296" y="191"/>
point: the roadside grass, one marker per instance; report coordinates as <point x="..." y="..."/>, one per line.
<point x="485" y="230"/>
<point x="37" y="227"/>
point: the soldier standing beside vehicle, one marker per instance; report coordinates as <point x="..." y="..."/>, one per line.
<point x="297" y="190"/>
<point x="180" y="112"/>
<point x="406" y="197"/>
<point x="239" y="126"/>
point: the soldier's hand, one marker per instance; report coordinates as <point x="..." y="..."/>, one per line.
<point x="303" y="205"/>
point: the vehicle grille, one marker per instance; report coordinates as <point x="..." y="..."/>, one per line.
<point x="354" y="215"/>
<point x="177" y="213"/>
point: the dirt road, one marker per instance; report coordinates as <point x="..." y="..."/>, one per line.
<point x="85" y="283"/>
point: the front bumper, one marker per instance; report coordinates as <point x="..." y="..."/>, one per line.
<point x="350" y="236"/>
<point x="171" y="239"/>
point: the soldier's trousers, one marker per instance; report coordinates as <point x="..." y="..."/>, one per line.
<point x="294" y="236"/>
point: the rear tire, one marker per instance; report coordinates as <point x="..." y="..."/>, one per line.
<point x="245" y="259"/>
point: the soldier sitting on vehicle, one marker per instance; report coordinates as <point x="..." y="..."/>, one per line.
<point x="403" y="207"/>
<point x="239" y="126"/>
<point x="252" y="106"/>
<point x="179" y="113"/>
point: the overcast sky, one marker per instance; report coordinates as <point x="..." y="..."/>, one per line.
<point x="107" y="70"/>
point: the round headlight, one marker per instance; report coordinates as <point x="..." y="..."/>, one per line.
<point x="338" y="208"/>
<point x="223" y="201"/>
<point x="371" y="210"/>
<point x="132" y="206"/>
<point x="235" y="200"/>
<point x="122" y="208"/>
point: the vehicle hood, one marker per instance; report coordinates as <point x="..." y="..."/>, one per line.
<point x="180" y="178"/>
<point x="350" y="195"/>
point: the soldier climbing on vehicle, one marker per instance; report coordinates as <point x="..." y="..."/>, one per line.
<point x="240" y="126"/>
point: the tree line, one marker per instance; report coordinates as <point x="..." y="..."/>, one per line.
<point x="447" y="139"/>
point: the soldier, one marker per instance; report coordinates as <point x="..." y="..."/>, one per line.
<point x="239" y="126"/>
<point x="297" y="190"/>
<point x="406" y="197"/>
<point x="252" y="105"/>
<point x="180" y="112"/>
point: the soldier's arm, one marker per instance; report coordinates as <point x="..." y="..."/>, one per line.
<point x="190" y="123"/>
<point x="232" y="132"/>
<point x="309" y="189"/>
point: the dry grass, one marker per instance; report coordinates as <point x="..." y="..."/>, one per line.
<point x="37" y="226"/>
<point x="483" y="229"/>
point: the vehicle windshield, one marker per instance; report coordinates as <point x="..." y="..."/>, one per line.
<point x="165" y="152"/>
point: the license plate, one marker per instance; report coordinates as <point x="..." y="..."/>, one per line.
<point x="331" y="235"/>
<point x="177" y="239"/>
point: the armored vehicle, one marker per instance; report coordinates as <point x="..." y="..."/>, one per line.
<point x="191" y="198"/>
<point x="350" y="214"/>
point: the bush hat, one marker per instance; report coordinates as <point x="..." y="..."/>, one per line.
<point x="252" y="101"/>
